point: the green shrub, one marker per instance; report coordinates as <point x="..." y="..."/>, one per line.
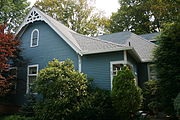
<point x="17" y="117"/>
<point x="151" y="95"/>
<point x="96" y="106"/>
<point x="126" y="96"/>
<point x="62" y="89"/>
<point x="177" y="105"/>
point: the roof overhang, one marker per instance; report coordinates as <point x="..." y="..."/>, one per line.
<point x="105" y="51"/>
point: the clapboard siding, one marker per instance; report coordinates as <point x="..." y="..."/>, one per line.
<point x="50" y="46"/>
<point x="97" y="66"/>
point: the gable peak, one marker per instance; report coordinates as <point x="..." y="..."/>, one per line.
<point x="33" y="16"/>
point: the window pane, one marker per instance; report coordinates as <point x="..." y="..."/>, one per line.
<point x="32" y="70"/>
<point x="152" y="72"/>
<point x="116" y="68"/>
<point x="34" y="41"/>
<point x="35" y="34"/>
<point x="31" y="79"/>
<point x="34" y="38"/>
<point x="13" y="72"/>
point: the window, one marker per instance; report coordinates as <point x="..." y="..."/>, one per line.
<point x="32" y="73"/>
<point x="152" y="72"/>
<point x="34" y="38"/>
<point x="117" y="66"/>
<point x="13" y="74"/>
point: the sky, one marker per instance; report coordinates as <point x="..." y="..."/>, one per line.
<point x="108" y="6"/>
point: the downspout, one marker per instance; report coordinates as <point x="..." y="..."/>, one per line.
<point x="125" y="56"/>
<point x="79" y="63"/>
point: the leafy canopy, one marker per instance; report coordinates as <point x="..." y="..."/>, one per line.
<point x="126" y="96"/>
<point x="143" y="16"/>
<point x="78" y="15"/>
<point x="12" y="12"/>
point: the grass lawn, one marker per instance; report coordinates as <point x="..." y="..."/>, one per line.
<point x="14" y="117"/>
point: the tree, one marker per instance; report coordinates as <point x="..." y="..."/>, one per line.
<point x="62" y="89"/>
<point x="12" y="12"/>
<point x="143" y="16"/>
<point x="8" y="51"/>
<point x="78" y="15"/>
<point x="167" y="60"/>
<point x="126" y="96"/>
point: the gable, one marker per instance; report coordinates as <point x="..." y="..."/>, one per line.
<point x="50" y="45"/>
<point x="37" y="15"/>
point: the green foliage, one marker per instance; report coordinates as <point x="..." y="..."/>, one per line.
<point x="167" y="60"/>
<point x="27" y="108"/>
<point x="143" y="16"/>
<point x="177" y="105"/>
<point x="78" y="15"/>
<point x="126" y="96"/>
<point x="17" y="117"/>
<point x="96" y="106"/>
<point x="12" y="12"/>
<point x="62" y="89"/>
<point x="151" y="96"/>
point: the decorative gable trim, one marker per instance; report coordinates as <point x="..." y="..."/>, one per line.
<point x="33" y="16"/>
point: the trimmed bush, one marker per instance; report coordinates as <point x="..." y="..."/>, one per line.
<point x="151" y="95"/>
<point x="62" y="88"/>
<point x="96" y="106"/>
<point x="126" y="96"/>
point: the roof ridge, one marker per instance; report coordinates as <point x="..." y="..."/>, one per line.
<point x="143" y="39"/>
<point x="104" y="41"/>
<point x="115" y="33"/>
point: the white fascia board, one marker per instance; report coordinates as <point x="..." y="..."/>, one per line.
<point x="104" y="51"/>
<point x="147" y="60"/>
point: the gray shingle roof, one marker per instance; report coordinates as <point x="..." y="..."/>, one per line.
<point x="94" y="45"/>
<point x="120" y="37"/>
<point x="150" y="36"/>
<point x="143" y="47"/>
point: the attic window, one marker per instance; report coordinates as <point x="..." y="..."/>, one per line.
<point x="34" y="38"/>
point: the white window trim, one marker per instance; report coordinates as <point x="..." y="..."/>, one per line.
<point x="32" y="38"/>
<point x="111" y="68"/>
<point x="36" y="65"/>
<point x="15" y="87"/>
<point x="14" y="68"/>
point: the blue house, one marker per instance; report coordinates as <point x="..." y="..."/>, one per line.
<point x="43" y="39"/>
